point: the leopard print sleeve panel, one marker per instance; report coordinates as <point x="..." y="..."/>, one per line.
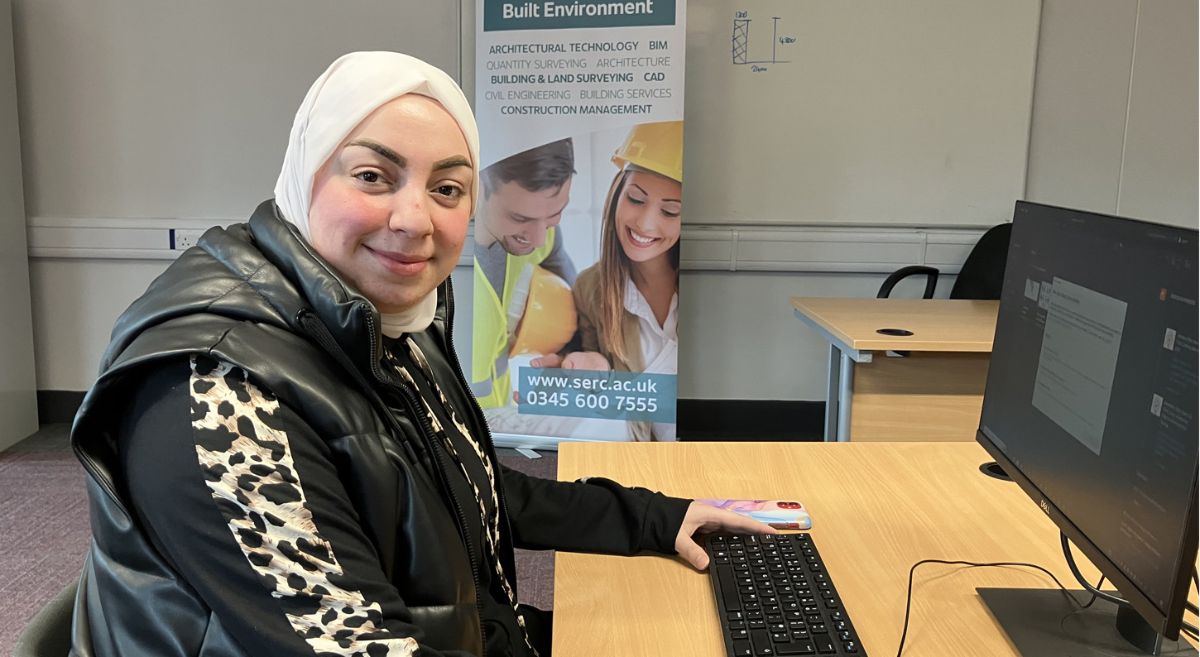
<point x="248" y="468"/>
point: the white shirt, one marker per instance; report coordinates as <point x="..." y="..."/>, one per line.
<point x="660" y="349"/>
<point x="660" y="344"/>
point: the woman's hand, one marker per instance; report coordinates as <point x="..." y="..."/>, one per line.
<point x="705" y="518"/>
<point x="586" y="360"/>
<point x="549" y="360"/>
<point x="576" y="360"/>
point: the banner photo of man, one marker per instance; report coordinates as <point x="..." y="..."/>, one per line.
<point x="576" y="253"/>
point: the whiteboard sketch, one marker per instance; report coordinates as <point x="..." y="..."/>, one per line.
<point x="748" y="50"/>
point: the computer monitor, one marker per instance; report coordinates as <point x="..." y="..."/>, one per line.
<point x="1091" y="398"/>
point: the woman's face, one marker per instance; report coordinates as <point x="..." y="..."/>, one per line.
<point x="647" y="215"/>
<point x="390" y="207"/>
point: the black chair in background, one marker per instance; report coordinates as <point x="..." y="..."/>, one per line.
<point x="981" y="276"/>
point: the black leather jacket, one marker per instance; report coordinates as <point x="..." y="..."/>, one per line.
<point x="257" y="296"/>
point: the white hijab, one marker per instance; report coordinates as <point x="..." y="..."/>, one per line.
<point x="346" y="93"/>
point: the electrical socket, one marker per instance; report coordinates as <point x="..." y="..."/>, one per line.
<point x="185" y="238"/>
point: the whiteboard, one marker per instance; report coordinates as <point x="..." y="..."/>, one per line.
<point x="858" y="111"/>
<point x="181" y="109"/>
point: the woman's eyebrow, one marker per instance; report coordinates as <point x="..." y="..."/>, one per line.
<point x="386" y="152"/>
<point x="452" y="162"/>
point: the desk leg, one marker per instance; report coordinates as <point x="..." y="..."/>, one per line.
<point x="845" y="392"/>
<point x="837" y="395"/>
<point x="831" y="395"/>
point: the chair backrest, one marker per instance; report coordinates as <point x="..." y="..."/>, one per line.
<point x="982" y="275"/>
<point x="49" y="633"/>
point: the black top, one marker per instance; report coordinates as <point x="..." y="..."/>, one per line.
<point x="316" y="500"/>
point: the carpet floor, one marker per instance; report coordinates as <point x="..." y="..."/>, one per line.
<point x="44" y="528"/>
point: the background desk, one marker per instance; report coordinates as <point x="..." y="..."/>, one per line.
<point x="934" y="394"/>
<point x="876" y="511"/>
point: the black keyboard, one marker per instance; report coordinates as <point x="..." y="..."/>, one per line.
<point x="775" y="597"/>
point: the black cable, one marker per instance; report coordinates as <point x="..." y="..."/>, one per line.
<point x="1094" y="596"/>
<point x="1191" y="607"/>
<point x="972" y="564"/>
<point x="1066" y="546"/>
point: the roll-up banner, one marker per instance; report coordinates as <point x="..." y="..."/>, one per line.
<point x="576" y="266"/>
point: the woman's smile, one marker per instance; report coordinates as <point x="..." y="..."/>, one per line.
<point x="399" y="263"/>
<point x="640" y="240"/>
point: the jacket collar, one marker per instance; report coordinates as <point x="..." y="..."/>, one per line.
<point x="350" y="317"/>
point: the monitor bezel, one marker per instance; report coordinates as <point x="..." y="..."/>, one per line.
<point x="1166" y="622"/>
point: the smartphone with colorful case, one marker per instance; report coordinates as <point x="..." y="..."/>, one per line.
<point x="780" y="514"/>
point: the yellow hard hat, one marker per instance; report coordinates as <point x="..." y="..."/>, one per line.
<point x="543" y="306"/>
<point x="657" y="147"/>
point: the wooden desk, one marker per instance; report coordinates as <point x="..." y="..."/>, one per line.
<point x="934" y="394"/>
<point x="876" y="511"/>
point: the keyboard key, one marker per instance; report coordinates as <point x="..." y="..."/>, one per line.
<point x="742" y="649"/>
<point x="823" y="643"/>
<point x="762" y="643"/>
<point x="729" y="594"/>
<point x="796" y="648"/>
<point x="850" y="647"/>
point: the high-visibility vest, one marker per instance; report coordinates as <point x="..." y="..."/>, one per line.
<point x="490" y="334"/>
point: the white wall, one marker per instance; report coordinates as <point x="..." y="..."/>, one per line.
<point x="18" y="401"/>
<point x="1114" y="109"/>
<point x="739" y="339"/>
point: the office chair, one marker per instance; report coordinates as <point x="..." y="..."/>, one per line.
<point x="981" y="276"/>
<point x="49" y="633"/>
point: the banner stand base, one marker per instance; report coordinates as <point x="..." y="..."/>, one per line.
<point x="520" y="441"/>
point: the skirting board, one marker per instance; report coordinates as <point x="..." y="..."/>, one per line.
<point x="726" y="420"/>
<point x="699" y="420"/>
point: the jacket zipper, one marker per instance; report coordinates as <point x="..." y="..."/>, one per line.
<point x="320" y="332"/>
<point x="478" y="412"/>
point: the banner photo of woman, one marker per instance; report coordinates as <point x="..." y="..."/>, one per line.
<point x="576" y="299"/>
<point x="576" y="253"/>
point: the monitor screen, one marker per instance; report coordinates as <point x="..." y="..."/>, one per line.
<point x="1092" y="392"/>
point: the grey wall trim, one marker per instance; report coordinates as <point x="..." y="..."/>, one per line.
<point x="866" y="249"/>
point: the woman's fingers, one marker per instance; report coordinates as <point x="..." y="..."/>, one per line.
<point x="691" y="552"/>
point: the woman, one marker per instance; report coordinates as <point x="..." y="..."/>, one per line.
<point x="283" y="457"/>
<point x="627" y="302"/>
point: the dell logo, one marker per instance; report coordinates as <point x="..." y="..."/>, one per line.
<point x="1045" y="507"/>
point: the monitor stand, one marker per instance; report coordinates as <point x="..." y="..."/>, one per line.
<point x="1043" y="623"/>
